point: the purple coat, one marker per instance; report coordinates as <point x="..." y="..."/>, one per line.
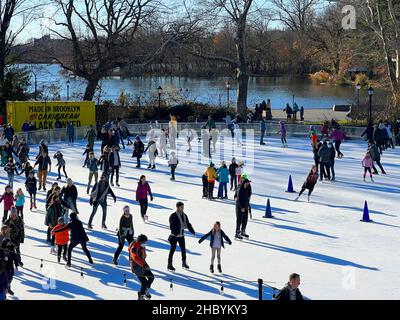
<point x="337" y="135"/>
<point x="282" y="128"/>
<point x="142" y="191"/>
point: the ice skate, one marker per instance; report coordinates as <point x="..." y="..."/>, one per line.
<point x="238" y="237"/>
<point x="245" y="235"/>
<point x="219" y="268"/>
<point x="170" y="267"/>
<point x="147" y="295"/>
<point x="103" y="226"/>
<point x="184" y="265"/>
<point x="211" y="268"/>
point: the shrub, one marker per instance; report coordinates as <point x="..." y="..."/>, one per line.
<point x="361" y="79"/>
<point x="321" y="77"/>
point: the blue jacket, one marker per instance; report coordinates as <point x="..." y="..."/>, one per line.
<point x="70" y="130"/>
<point x="92" y="164"/>
<point x="263" y="126"/>
<point x="223" y="236"/>
<point x="223" y="174"/>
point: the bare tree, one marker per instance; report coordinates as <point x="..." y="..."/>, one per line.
<point x="100" y="34"/>
<point x="296" y="15"/>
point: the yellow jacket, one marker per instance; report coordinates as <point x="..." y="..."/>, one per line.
<point x="211" y="174"/>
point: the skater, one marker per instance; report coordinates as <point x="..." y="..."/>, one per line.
<point x="26" y="168"/>
<point x="163" y="144"/>
<point x="232" y="173"/>
<point x="142" y="191"/>
<point x="263" y="128"/>
<point x="8" y="198"/>
<point x="338" y="136"/>
<point x="31" y="187"/>
<point x="324" y="159"/>
<point x="92" y="165"/>
<point x="87" y="152"/>
<point x="138" y="149"/>
<point x="90" y="136"/>
<point x="301" y="113"/>
<point x="44" y="163"/>
<point x="239" y="172"/>
<point x="98" y="198"/>
<point x="178" y="222"/>
<point x="105" y="163"/>
<point x="189" y="137"/>
<point x="367" y="165"/>
<point x="53" y="212"/>
<point x="115" y="164"/>
<point x="3" y="279"/>
<point x="69" y="195"/>
<point x="315" y="149"/>
<point x="211" y="174"/>
<point x="8" y="255"/>
<point x="172" y="132"/>
<point x="214" y="134"/>
<point x="217" y="236"/>
<point x="139" y="266"/>
<point x="223" y="179"/>
<point x="310" y="182"/>
<point x="152" y="148"/>
<point x="242" y="209"/>
<point x="332" y="160"/>
<point x="325" y="130"/>
<point x="237" y="133"/>
<point x="291" y="291"/>
<point x="60" y="164"/>
<point x="173" y="163"/>
<point x="376" y="157"/>
<point x="70" y="132"/>
<point x="17" y="232"/>
<point x="282" y="132"/>
<point x="61" y="239"/>
<point x="78" y="236"/>
<point x="19" y="202"/>
<point x="125" y="232"/>
<point x="205" y="186"/>
<point x="10" y="168"/>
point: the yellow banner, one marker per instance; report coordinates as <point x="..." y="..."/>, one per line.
<point x="45" y="114"/>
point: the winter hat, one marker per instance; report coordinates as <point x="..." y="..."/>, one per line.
<point x="244" y="176"/>
<point x="142" y="238"/>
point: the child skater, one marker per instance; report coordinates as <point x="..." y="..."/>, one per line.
<point x="282" y="131"/>
<point x="60" y="164"/>
<point x="173" y="163"/>
<point x="8" y="198"/>
<point x="11" y="168"/>
<point x="310" y="182"/>
<point x="216" y="243"/>
<point x="367" y="164"/>
<point x="61" y="239"/>
<point x="19" y="202"/>
<point x="31" y="187"/>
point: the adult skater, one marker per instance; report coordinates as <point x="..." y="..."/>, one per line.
<point x="211" y="174"/>
<point x="70" y="133"/>
<point x="53" y="212"/>
<point x="376" y="157"/>
<point x="263" y="129"/>
<point x="172" y="132"/>
<point x="31" y="187"/>
<point x="139" y="266"/>
<point x="115" y="164"/>
<point x="310" y="182"/>
<point x="69" y="194"/>
<point x="242" y="209"/>
<point x="232" y="173"/>
<point x="291" y="290"/>
<point x="125" y="232"/>
<point x="17" y="232"/>
<point x="223" y="179"/>
<point x="324" y="159"/>
<point x="105" y="163"/>
<point x="143" y="190"/>
<point x="60" y="164"/>
<point x="152" y="148"/>
<point x="173" y="164"/>
<point x="217" y="236"/>
<point x="98" y="198"/>
<point x="189" y="137"/>
<point x="338" y="137"/>
<point x="8" y="255"/>
<point x="11" y="170"/>
<point x="163" y="144"/>
<point x="90" y="136"/>
<point x="282" y="132"/>
<point x="93" y="166"/>
<point x="138" y="149"/>
<point x="44" y="163"/>
<point x="332" y="160"/>
<point x="78" y="236"/>
<point x="178" y="222"/>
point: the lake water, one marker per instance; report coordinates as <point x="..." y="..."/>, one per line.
<point x="206" y="90"/>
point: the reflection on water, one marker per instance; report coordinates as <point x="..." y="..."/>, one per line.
<point x="212" y="90"/>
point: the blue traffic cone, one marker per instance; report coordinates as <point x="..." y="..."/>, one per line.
<point x="366" y="213"/>
<point x="268" y="211"/>
<point x="290" y="186"/>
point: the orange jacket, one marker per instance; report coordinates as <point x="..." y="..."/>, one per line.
<point x="137" y="256"/>
<point x="211" y="174"/>
<point x="62" y="237"/>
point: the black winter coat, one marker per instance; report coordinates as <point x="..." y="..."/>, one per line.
<point x="284" y="295"/>
<point x="69" y="192"/>
<point x="17" y="234"/>
<point x="78" y="233"/>
<point x="138" y="149"/>
<point x="175" y="224"/>
<point x="243" y="197"/>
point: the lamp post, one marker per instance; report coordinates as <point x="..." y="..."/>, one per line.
<point x="228" y="87"/>
<point x="35" y="76"/>
<point x="68" y="82"/>
<point x="160" y="91"/>
<point x="370" y="93"/>
<point x="358" y="88"/>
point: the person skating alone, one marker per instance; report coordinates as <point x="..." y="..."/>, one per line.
<point x="44" y="163"/>
<point x="61" y="239"/>
<point x="78" y="236"/>
<point x="69" y="194"/>
<point x="98" y="198"/>
<point x="263" y="128"/>
<point x="93" y="166"/>
<point x="173" y="164"/>
<point x="242" y="209"/>
<point x="282" y="132"/>
<point x="125" y="232"/>
<point x="115" y="164"/>
<point x="367" y="165"/>
<point x="152" y="148"/>
<point x="143" y="190"/>
<point x="163" y="144"/>
<point x="138" y="150"/>
<point x="60" y="164"/>
<point x="178" y="222"/>
<point x="31" y="187"/>
<point x="232" y="173"/>
<point x="139" y="266"/>
<point x="217" y="236"/>
<point x="310" y="182"/>
<point x="11" y="169"/>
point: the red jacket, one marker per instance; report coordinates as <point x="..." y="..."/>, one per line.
<point x="8" y="199"/>
<point x="142" y="191"/>
<point x="137" y="258"/>
<point x="62" y="237"/>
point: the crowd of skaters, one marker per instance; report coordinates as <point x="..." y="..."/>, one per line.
<point x="65" y="231"/>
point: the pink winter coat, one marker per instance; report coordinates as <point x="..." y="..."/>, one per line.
<point x="8" y="199"/>
<point x="142" y="191"/>
<point x="367" y="162"/>
<point x="337" y="135"/>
